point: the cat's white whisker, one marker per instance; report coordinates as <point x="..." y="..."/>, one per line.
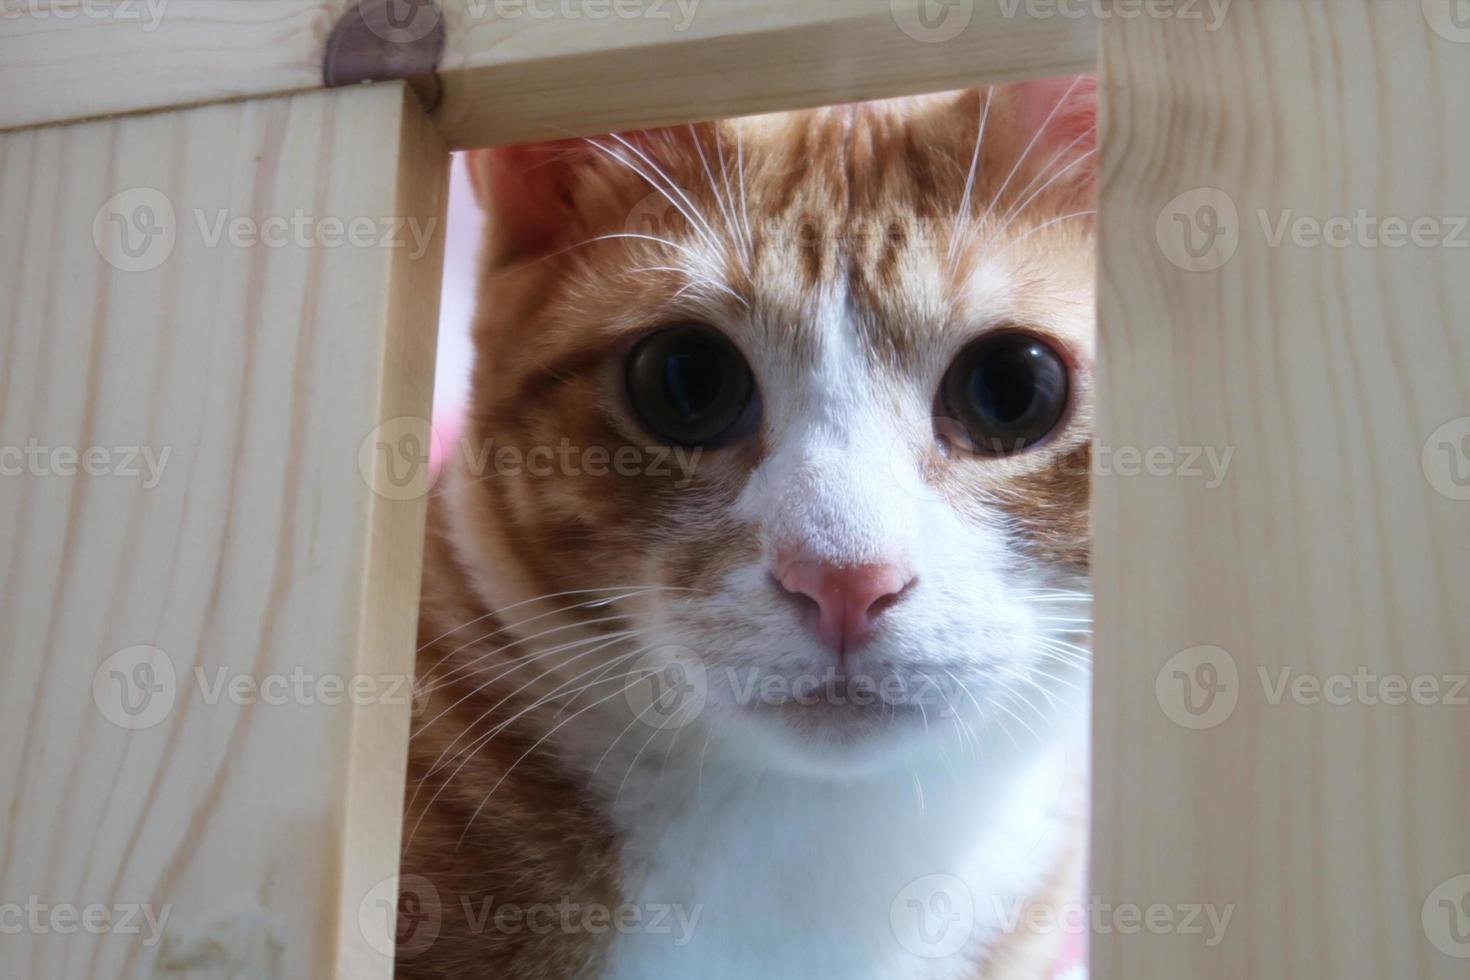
<point x="712" y="284"/>
<point x="681" y="204"/>
<point x="479" y="743"/>
<point x="1042" y="227"/>
<point x="534" y="746"/>
<point x="699" y="777"/>
<point x="1049" y="169"/>
<point x="547" y="598"/>
<point x="965" y="689"/>
<point x="468" y="668"/>
<point x="725" y="173"/>
<point x="673" y="186"/>
<point x="1021" y="160"/>
<point x="1080" y="650"/>
<point x="646" y="743"/>
<point x="744" y="203"/>
<point x="600" y="643"/>
<point x="639" y="236"/>
<point x="1029" y="677"/>
<point x="954" y="716"/>
<point x="628" y="592"/>
<point x="1008" y="221"/>
<point x="726" y="210"/>
<point x="962" y="216"/>
<point x="613" y="744"/>
<point x="920" y="702"/>
<point x="1067" y="658"/>
<point x="597" y="643"/>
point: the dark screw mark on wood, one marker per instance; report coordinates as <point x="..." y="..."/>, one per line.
<point x="378" y="40"/>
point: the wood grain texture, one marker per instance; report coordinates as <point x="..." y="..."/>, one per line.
<point x="257" y="820"/>
<point x="520" y="79"/>
<point x="61" y="60"/>
<point x="517" y="70"/>
<point x="1335" y="824"/>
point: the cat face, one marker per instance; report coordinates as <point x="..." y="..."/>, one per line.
<point x="809" y="396"/>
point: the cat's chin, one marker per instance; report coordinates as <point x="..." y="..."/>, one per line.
<point x="830" y="741"/>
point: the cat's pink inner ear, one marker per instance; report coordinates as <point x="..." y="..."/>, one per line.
<point x="527" y="192"/>
<point x="1064" y="111"/>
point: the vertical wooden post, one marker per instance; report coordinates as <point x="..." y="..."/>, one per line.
<point x="1281" y="715"/>
<point x="208" y="591"/>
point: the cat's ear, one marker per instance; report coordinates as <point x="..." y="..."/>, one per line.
<point x="1063" y="111"/>
<point x="539" y="196"/>
<point x="529" y="194"/>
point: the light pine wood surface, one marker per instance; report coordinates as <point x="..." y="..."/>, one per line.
<point x="1335" y="825"/>
<point x="256" y="548"/>
<point x="517" y="70"/>
<point x="524" y="78"/>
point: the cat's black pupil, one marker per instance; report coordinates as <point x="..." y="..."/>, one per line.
<point x="692" y="379"/>
<point x="689" y="385"/>
<point x="1004" y="385"/>
<point x="1009" y="391"/>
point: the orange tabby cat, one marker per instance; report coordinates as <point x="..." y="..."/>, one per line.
<point x="751" y="607"/>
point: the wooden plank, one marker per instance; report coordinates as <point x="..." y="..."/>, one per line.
<point x="516" y="70"/>
<point x="63" y="60"/>
<point x="205" y="631"/>
<point x="514" y="80"/>
<point x="1331" y="825"/>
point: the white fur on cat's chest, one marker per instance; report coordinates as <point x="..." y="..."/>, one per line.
<point x="781" y="877"/>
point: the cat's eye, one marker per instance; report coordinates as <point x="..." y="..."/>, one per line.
<point x="690" y="386"/>
<point x="1008" y="390"/>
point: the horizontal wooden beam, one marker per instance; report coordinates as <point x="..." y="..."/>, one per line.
<point x="518" y="70"/>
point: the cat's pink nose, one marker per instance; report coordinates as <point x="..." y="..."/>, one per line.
<point x="849" y="599"/>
